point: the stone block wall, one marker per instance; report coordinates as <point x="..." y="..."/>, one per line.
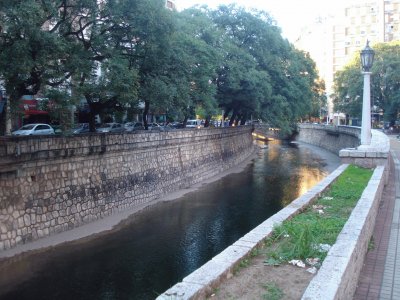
<point x="331" y="138"/>
<point x="53" y="184"/>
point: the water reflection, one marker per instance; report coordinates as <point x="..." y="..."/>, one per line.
<point x="165" y="243"/>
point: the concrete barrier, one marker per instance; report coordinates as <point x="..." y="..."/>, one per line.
<point x="338" y="275"/>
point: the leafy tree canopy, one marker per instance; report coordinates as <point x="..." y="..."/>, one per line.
<point x="385" y="83"/>
<point x="120" y="53"/>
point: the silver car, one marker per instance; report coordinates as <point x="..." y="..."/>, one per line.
<point x="111" y="127"/>
<point x="132" y="126"/>
<point x="34" y="129"/>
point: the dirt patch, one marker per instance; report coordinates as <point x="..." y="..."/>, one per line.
<point x="250" y="282"/>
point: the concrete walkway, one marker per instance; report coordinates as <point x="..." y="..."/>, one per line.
<point x="380" y="276"/>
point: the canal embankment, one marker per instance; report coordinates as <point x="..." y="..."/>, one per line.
<point x="51" y="185"/>
<point x="338" y="275"/>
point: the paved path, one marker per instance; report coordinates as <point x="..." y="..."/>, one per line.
<point x="380" y="276"/>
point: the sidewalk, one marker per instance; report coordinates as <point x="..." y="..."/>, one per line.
<point x="380" y="275"/>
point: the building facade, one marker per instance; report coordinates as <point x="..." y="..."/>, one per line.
<point x="170" y="4"/>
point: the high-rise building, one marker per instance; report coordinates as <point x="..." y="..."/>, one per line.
<point x="333" y="40"/>
<point x="170" y="4"/>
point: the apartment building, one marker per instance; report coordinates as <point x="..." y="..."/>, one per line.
<point x="170" y="4"/>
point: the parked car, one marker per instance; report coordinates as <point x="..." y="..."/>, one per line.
<point x="111" y="127"/>
<point x="132" y="126"/>
<point x="81" y="128"/>
<point x="176" y="125"/>
<point x="57" y="129"/>
<point x="34" y="129"/>
<point x="155" y="127"/>
<point x="193" y="124"/>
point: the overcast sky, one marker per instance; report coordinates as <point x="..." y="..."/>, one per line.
<point x="291" y="15"/>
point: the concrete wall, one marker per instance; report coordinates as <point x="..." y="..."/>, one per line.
<point x="338" y="276"/>
<point x="344" y="141"/>
<point x="53" y="184"/>
<point x="331" y="138"/>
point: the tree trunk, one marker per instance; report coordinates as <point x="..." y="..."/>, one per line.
<point x="233" y="117"/>
<point x="243" y="119"/>
<point x="145" y="114"/>
<point x="207" y="122"/>
<point x="185" y="121"/>
<point x="92" y="116"/>
<point x="227" y="111"/>
<point x="8" y="117"/>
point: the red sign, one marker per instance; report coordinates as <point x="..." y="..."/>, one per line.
<point x="30" y="107"/>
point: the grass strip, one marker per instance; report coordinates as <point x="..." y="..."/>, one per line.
<point x="309" y="234"/>
<point x="273" y="292"/>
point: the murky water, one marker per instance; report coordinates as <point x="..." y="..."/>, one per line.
<point x="160" y="246"/>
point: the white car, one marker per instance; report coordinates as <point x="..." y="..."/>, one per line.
<point x="193" y="124"/>
<point x="34" y="129"/>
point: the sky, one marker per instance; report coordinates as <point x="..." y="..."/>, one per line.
<point x="291" y="15"/>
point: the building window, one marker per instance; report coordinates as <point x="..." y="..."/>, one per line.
<point x="170" y="5"/>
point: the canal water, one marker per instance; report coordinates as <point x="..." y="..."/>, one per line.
<point x="158" y="247"/>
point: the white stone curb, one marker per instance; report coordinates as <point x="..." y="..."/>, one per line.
<point x="200" y="283"/>
<point x="338" y="275"/>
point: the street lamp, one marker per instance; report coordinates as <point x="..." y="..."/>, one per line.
<point x="367" y="59"/>
<point x="380" y="115"/>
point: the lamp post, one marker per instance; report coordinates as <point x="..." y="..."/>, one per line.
<point x="380" y="116"/>
<point x="367" y="59"/>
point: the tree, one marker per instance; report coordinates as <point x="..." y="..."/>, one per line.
<point x="193" y="62"/>
<point x="261" y="75"/>
<point x="31" y="55"/>
<point x="119" y="53"/>
<point x="102" y="45"/>
<point x="242" y="83"/>
<point x="151" y="27"/>
<point x="385" y="83"/>
<point x="80" y="46"/>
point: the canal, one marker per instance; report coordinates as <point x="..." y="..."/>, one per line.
<point x="159" y="246"/>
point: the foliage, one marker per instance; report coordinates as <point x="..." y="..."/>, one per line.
<point x="385" y="83"/>
<point x="273" y="292"/>
<point x="30" y="56"/>
<point x="125" y="52"/>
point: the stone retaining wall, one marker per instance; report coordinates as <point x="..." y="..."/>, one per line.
<point x="53" y="184"/>
<point x="331" y="138"/>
